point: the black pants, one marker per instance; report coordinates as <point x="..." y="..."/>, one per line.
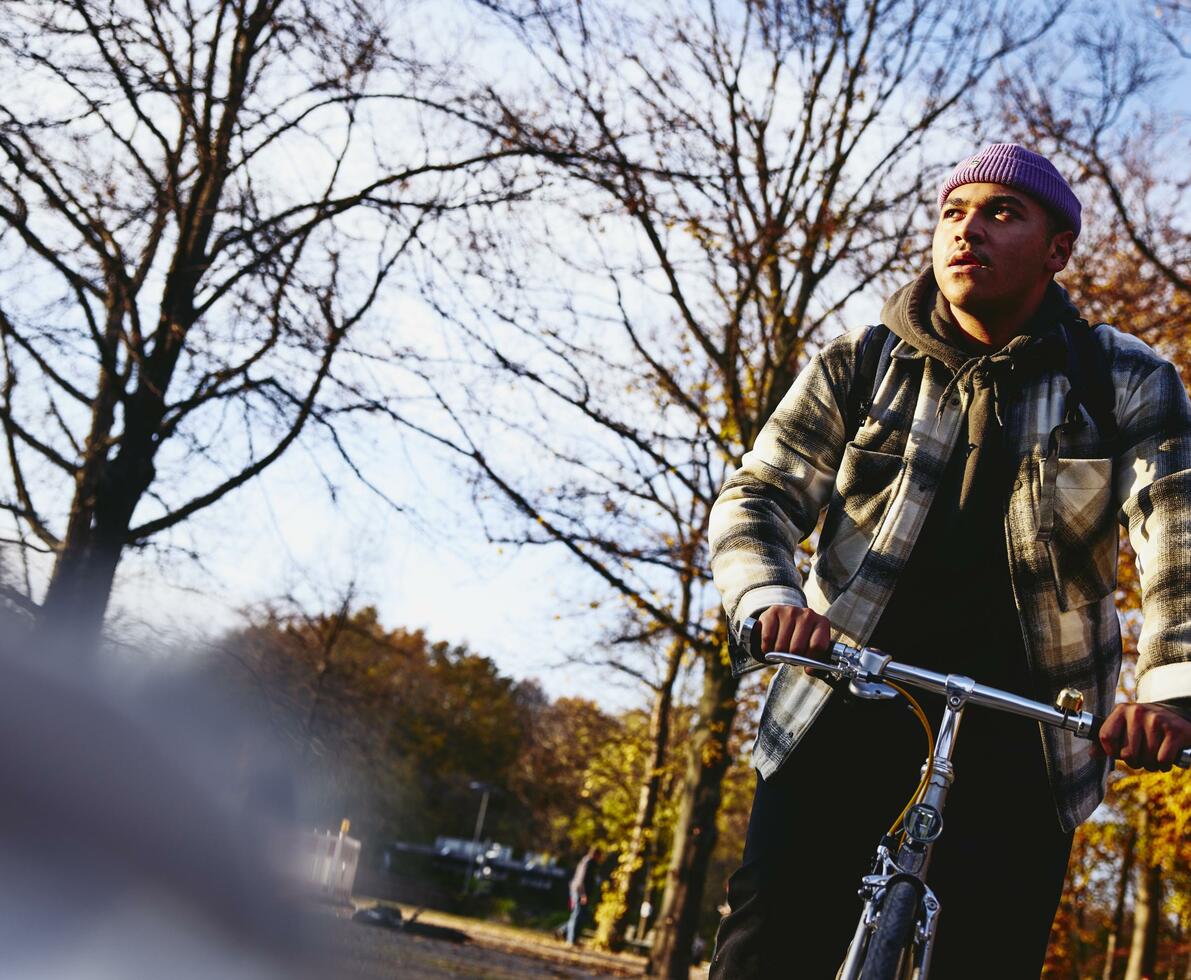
<point x="998" y="869"/>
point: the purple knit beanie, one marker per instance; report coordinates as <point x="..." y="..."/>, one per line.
<point x="1015" y="166"/>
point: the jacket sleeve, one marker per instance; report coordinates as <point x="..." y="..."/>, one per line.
<point x="1154" y="483"/>
<point x="772" y="502"/>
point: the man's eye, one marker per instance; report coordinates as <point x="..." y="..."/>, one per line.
<point x="951" y="213"/>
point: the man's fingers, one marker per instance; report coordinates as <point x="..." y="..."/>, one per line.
<point x="792" y="629"/>
<point x="1168" y="738"/>
<point x="802" y="637"/>
<point x="815" y="634"/>
<point x="1143" y="732"/>
<point x="800" y="640"/>
<point x="768" y="633"/>
<point x="1153" y="731"/>
<point x="774" y="629"/>
<point x="785" y="633"/>
<point x="1145" y="736"/>
<point x="1133" y="749"/>
<point x="820" y="641"/>
<point x="1111" y="734"/>
<point x="1168" y="751"/>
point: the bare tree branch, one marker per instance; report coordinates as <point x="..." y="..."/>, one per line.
<point x="179" y="272"/>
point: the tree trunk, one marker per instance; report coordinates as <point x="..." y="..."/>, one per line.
<point x="1077" y="954"/>
<point x="107" y="490"/>
<point x="695" y="833"/>
<point x="1172" y="964"/>
<point x="331" y="630"/>
<point x="76" y="599"/>
<point x="1143" y="952"/>
<point x="72" y="613"/>
<point x="1118" y="917"/>
<point x="628" y="880"/>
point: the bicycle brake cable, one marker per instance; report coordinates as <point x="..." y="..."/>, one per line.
<point x="930" y="753"/>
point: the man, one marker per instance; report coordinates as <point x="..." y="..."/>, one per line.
<point x="971" y="527"/>
<point x="585" y="890"/>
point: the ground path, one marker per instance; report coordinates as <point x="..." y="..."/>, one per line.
<point x="491" y="951"/>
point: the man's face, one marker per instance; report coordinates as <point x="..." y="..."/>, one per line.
<point x="993" y="251"/>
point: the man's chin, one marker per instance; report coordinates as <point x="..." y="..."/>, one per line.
<point x="960" y="295"/>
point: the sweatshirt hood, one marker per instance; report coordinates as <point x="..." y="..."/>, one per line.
<point x="907" y="314"/>
<point x="918" y="314"/>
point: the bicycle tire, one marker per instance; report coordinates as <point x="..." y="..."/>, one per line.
<point x="884" y="959"/>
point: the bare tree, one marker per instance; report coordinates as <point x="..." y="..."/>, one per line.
<point x="182" y="292"/>
<point x="1117" y="930"/>
<point x="1106" y="110"/>
<point x="722" y="182"/>
<point x="1172" y="19"/>
<point x="1147" y="912"/>
<point x="629" y="878"/>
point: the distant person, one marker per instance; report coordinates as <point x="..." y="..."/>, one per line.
<point x="585" y="890"/>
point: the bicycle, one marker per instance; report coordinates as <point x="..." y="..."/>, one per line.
<point x="895" y="934"/>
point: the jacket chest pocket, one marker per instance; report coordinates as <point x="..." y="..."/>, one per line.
<point x="865" y="485"/>
<point x="1081" y="538"/>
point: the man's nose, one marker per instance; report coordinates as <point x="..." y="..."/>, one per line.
<point x="970" y="228"/>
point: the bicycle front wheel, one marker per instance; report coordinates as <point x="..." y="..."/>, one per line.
<point x="890" y="950"/>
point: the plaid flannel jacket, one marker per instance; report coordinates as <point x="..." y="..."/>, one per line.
<point x="1060" y="528"/>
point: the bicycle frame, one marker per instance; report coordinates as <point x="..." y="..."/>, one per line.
<point x="866" y="671"/>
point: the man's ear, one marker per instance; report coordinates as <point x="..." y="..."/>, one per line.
<point x="1060" y="251"/>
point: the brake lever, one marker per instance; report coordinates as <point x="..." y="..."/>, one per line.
<point x="860" y="668"/>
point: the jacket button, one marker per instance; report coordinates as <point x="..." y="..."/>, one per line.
<point x="1017" y="484"/>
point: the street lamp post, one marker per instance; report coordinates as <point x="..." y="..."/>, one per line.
<point x="486" y="788"/>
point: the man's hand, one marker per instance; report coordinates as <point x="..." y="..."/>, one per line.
<point x="791" y="629"/>
<point x="1145" y="736"/>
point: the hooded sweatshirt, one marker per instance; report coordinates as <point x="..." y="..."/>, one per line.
<point x="953" y="606"/>
<point x="919" y="315"/>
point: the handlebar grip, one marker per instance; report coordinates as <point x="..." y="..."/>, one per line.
<point x="750" y="639"/>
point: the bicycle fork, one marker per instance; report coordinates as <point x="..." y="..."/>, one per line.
<point x="922" y="826"/>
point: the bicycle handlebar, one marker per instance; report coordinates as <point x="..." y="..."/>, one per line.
<point x="864" y="665"/>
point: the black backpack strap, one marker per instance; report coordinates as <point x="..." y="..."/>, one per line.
<point x="1090" y="377"/>
<point x="872" y="361"/>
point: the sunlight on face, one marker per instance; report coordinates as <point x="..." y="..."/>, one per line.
<point x="993" y="248"/>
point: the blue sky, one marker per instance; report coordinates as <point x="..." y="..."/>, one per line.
<point x="429" y="568"/>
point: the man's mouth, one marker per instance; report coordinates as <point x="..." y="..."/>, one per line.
<point x="966" y="260"/>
